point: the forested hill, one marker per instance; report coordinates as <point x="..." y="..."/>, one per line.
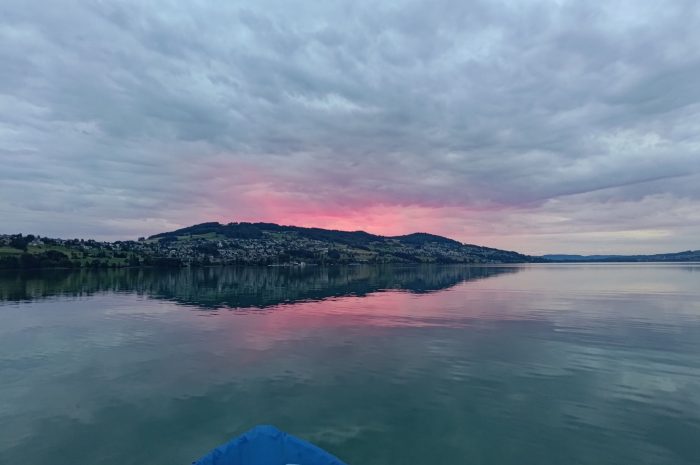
<point x="259" y="230"/>
<point x="270" y="243"/>
<point x="246" y="244"/>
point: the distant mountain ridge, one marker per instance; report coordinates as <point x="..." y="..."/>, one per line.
<point x="687" y="256"/>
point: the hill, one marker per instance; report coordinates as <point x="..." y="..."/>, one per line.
<point x="246" y="244"/>
<point x="268" y="243"/>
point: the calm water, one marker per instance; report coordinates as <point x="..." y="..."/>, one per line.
<point x="545" y="364"/>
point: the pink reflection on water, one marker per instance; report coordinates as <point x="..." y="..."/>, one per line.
<point x="378" y="313"/>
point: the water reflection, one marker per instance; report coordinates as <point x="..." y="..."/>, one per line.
<point x="242" y="287"/>
<point x="588" y="365"/>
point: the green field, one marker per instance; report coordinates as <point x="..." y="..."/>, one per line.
<point x="6" y="250"/>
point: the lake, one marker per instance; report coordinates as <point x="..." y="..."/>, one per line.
<point x="532" y="364"/>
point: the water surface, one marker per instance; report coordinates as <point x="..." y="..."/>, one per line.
<point x="560" y="364"/>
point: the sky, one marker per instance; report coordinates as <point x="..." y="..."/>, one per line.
<point x="543" y="126"/>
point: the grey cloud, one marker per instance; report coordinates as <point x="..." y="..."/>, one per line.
<point x="124" y="110"/>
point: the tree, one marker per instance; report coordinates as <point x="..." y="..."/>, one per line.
<point x="19" y="242"/>
<point x="333" y="254"/>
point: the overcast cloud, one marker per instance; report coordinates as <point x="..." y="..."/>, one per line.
<point x="541" y="126"/>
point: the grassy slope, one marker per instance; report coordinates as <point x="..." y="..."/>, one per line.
<point x="10" y="251"/>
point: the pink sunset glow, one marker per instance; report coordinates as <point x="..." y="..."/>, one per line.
<point x="247" y="192"/>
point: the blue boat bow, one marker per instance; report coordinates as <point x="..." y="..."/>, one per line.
<point x="266" y="445"/>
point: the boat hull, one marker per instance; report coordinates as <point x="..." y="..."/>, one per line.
<point x="267" y="445"/>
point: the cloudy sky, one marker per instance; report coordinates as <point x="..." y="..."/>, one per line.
<point x="541" y="126"/>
